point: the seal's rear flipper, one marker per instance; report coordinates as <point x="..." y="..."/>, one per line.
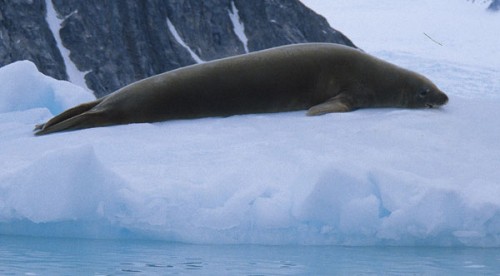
<point x="84" y="120"/>
<point x="335" y="104"/>
<point x="72" y="113"/>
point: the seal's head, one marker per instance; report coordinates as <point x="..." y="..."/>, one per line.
<point x="421" y="93"/>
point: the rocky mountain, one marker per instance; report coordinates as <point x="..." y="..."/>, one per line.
<point x="25" y="34"/>
<point x="113" y="43"/>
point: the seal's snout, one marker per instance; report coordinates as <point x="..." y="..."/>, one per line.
<point x="438" y="99"/>
<point x="443" y="99"/>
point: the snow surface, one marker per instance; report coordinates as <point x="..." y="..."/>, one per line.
<point x="75" y="75"/>
<point x="369" y="177"/>
<point x="465" y="28"/>
<point x="179" y="40"/>
<point x="238" y="26"/>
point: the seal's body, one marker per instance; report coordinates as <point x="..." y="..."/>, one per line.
<point x="320" y="77"/>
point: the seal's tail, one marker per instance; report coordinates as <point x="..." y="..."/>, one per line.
<point x="73" y="118"/>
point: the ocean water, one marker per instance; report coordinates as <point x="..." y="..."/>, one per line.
<point x="45" y="256"/>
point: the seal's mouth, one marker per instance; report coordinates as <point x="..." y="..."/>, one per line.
<point x="429" y="105"/>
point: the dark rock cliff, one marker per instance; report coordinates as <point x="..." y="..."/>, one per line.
<point x="118" y="42"/>
<point x="24" y="34"/>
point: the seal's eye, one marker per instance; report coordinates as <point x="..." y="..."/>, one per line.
<point x="424" y="92"/>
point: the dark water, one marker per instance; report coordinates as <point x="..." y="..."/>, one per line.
<point x="36" y="256"/>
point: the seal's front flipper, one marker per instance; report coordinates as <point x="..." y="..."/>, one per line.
<point x="336" y="104"/>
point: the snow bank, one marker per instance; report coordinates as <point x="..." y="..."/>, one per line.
<point x="465" y="29"/>
<point x="61" y="185"/>
<point x="67" y="187"/>
<point x="22" y="87"/>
